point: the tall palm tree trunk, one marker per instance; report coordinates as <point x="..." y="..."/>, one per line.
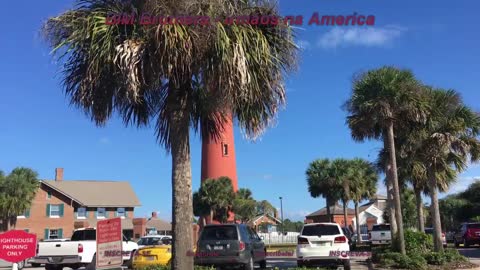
<point x="357" y="221"/>
<point x="182" y="206"/>
<point x="420" y="216"/>
<point x="329" y="214"/>
<point x="390" y="204"/>
<point x="396" y="189"/>
<point x="435" y="213"/>
<point x="345" y="214"/>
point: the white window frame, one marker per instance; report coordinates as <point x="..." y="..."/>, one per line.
<point x="51" y="210"/>
<point x="50" y="233"/>
<point x="85" y="212"/>
<point x="124" y="212"/>
<point x="104" y="213"/>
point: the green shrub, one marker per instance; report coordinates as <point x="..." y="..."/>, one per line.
<point x="436" y="258"/>
<point x="412" y="262"/>
<point x="417" y="242"/>
<point x="452" y="255"/>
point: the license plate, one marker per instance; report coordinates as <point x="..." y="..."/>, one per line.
<point x="321" y="244"/>
<point x="217" y="247"/>
<point x="150" y="258"/>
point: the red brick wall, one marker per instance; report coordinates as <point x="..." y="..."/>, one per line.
<point x="39" y="221"/>
<point x="336" y="218"/>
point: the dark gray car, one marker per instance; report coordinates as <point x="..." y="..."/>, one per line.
<point x="230" y="245"/>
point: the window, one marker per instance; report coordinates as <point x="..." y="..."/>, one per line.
<point x="101" y="213"/>
<point x="54" y="234"/>
<point x="54" y="211"/>
<point x="320" y="230"/>
<point x="216" y="233"/>
<point x="25" y="214"/>
<point x="224" y="149"/>
<point x="49" y="195"/>
<point x="82" y="212"/>
<point x="121" y="212"/>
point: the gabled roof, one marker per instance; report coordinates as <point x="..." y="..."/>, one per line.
<point x="255" y="219"/>
<point x="96" y="193"/>
<point x="334" y="210"/>
<point x="159" y="225"/>
<point x="379" y="201"/>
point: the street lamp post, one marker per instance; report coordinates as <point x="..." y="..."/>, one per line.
<point x="281" y="212"/>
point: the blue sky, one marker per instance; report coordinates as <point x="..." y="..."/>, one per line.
<point x="438" y="40"/>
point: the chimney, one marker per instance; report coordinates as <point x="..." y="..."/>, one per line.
<point x="58" y="174"/>
<point x="154" y="214"/>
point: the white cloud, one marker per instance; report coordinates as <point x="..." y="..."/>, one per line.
<point x="105" y="140"/>
<point x="359" y="36"/>
<point x="303" y="44"/>
<point x="267" y="176"/>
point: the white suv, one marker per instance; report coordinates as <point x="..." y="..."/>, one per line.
<point x="323" y="243"/>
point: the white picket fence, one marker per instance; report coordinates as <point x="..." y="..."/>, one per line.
<point x="279" y="238"/>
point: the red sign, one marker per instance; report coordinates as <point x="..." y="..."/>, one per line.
<point x="109" y="243"/>
<point x="17" y="245"/>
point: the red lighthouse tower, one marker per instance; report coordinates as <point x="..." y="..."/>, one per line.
<point x="218" y="156"/>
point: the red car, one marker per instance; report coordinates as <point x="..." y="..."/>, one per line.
<point x="467" y="234"/>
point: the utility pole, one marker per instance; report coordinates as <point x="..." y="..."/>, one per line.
<point x="281" y="212"/>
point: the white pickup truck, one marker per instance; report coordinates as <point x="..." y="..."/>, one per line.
<point x="380" y="235"/>
<point x="79" y="251"/>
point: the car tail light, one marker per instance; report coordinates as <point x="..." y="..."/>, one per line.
<point x="340" y="239"/>
<point x="302" y="241"/>
<point x="241" y="246"/>
<point x="80" y="248"/>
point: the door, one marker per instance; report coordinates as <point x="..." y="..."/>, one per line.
<point x="257" y="244"/>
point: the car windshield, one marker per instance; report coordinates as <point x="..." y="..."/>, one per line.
<point x="473" y="226"/>
<point x="321" y="229"/>
<point x="150" y="241"/>
<point x="381" y="228"/>
<point x="220" y="233"/>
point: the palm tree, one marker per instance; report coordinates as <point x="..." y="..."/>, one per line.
<point x="215" y="199"/>
<point x="322" y="182"/>
<point x="341" y="171"/>
<point x="382" y="101"/>
<point x="244" y="206"/>
<point x="244" y="193"/>
<point x="448" y="143"/>
<point x="363" y="185"/>
<point x="17" y="191"/>
<point x="264" y="207"/>
<point x="175" y="76"/>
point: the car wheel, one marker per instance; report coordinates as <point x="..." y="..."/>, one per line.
<point x="249" y="265"/>
<point x="35" y="264"/>
<point x="263" y="264"/>
<point x="465" y="243"/>
<point x="93" y="264"/>
<point x="300" y="263"/>
<point x="346" y="265"/>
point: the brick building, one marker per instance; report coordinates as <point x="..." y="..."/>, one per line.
<point x="60" y="206"/>
<point x="370" y="213"/>
<point x="335" y="210"/>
